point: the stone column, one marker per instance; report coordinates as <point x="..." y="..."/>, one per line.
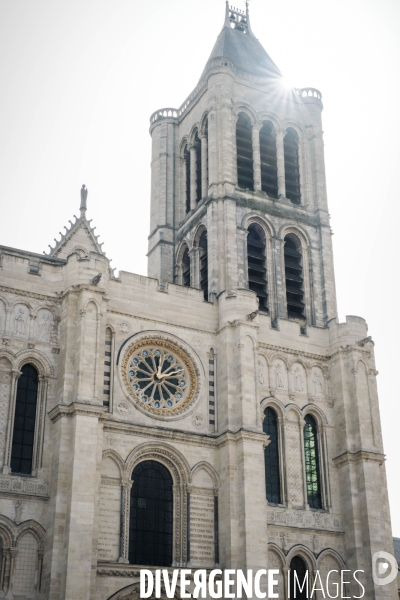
<point x="3" y="568"/>
<point x="193" y="177"/>
<point x="280" y="155"/>
<point x="10" y="425"/>
<point x="39" y="571"/>
<point x="204" y="166"/>
<point x="8" y="323"/>
<point x="125" y="511"/>
<point x="13" y="553"/>
<point x="256" y="157"/>
<point x="39" y="424"/>
<point x="194" y="268"/>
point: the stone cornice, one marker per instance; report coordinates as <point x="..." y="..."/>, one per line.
<point x="311" y="355"/>
<point x="357" y="457"/>
<point x="76" y="408"/>
<point x="165" y="434"/>
<point x="162" y="322"/>
<point x="292" y="351"/>
<point x="17" y="292"/>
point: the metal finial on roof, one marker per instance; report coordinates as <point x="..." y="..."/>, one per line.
<point x="84" y="193"/>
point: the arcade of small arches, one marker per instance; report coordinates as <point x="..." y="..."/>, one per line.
<point x="21" y="557"/>
<point x="301" y="560"/>
<point x="193" y="269"/>
<point x="268" y="159"/>
<point x="192" y="264"/>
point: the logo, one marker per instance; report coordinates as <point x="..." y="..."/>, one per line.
<point x="380" y="568"/>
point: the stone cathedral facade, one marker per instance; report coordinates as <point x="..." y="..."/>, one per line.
<point x="214" y="413"/>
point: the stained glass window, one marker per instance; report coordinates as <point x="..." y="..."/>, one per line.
<point x="313" y="481"/>
<point x="271" y="455"/>
<point x="151" y="516"/>
<point x="24" y="421"/>
<point x="298" y="586"/>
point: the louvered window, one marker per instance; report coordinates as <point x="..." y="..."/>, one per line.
<point x="206" y="161"/>
<point x="311" y="456"/>
<point x="186" y="158"/>
<point x="186" y="268"/>
<point x="271" y="456"/>
<point x="244" y="148"/>
<point x="294" y="278"/>
<point x="269" y="170"/>
<point x="256" y="263"/>
<point x="197" y="145"/>
<point x="203" y="245"/>
<point x="151" y="515"/>
<point x="292" y="168"/>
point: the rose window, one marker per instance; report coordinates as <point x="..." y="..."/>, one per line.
<point x="159" y="376"/>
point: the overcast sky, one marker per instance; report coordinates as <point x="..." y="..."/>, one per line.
<point x="80" y="78"/>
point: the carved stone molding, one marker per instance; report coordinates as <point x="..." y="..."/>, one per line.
<point x="113" y="572"/>
<point x="75" y="408"/>
<point x="19" y="485"/>
<point x="30" y="295"/>
<point x="304" y="519"/>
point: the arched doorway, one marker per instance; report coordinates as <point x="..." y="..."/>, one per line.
<point x="298" y="585"/>
<point x="151" y="515"/>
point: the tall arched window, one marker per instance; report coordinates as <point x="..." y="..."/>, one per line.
<point x="271" y="456"/>
<point x="311" y="456"/>
<point x="203" y="245"/>
<point x="24" y="421"/>
<point x="197" y="146"/>
<point x="186" y="268"/>
<point x="186" y="158"/>
<point x="244" y="150"/>
<point x="256" y="264"/>
<point x="299" y="585"/>
<point x="151" y="515"/>
<point x="292" y="168"/>
<point x="294" y="277"/>
<point x="269" y="169"/>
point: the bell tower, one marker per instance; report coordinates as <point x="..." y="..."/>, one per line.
<point x="243" y="147"/>
<point x="239" y="211"/>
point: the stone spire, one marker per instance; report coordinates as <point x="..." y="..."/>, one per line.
<point x="64" y="244"/>
<point x="238" y="44"/>
<point x="84" y="193"/>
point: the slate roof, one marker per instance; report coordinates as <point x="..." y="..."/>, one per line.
<point x="396" y="542"/>
<point x="245" y="51"/>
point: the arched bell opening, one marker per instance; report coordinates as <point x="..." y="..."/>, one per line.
<point x="256" y="265"/>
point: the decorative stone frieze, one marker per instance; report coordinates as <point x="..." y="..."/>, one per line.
<point x="304" y="519"/>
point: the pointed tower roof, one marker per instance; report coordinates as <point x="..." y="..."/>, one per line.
<point x="79" y="237"/>
<point x="237" y="43"/>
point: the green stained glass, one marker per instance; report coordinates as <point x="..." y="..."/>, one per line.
<point x="312" y="463"/>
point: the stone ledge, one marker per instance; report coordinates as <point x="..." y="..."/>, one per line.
<point x="76" y="408"/>
<point x="359" y="456"/>
<point x="305" y="519"/>
<point x="13" y="484"/>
